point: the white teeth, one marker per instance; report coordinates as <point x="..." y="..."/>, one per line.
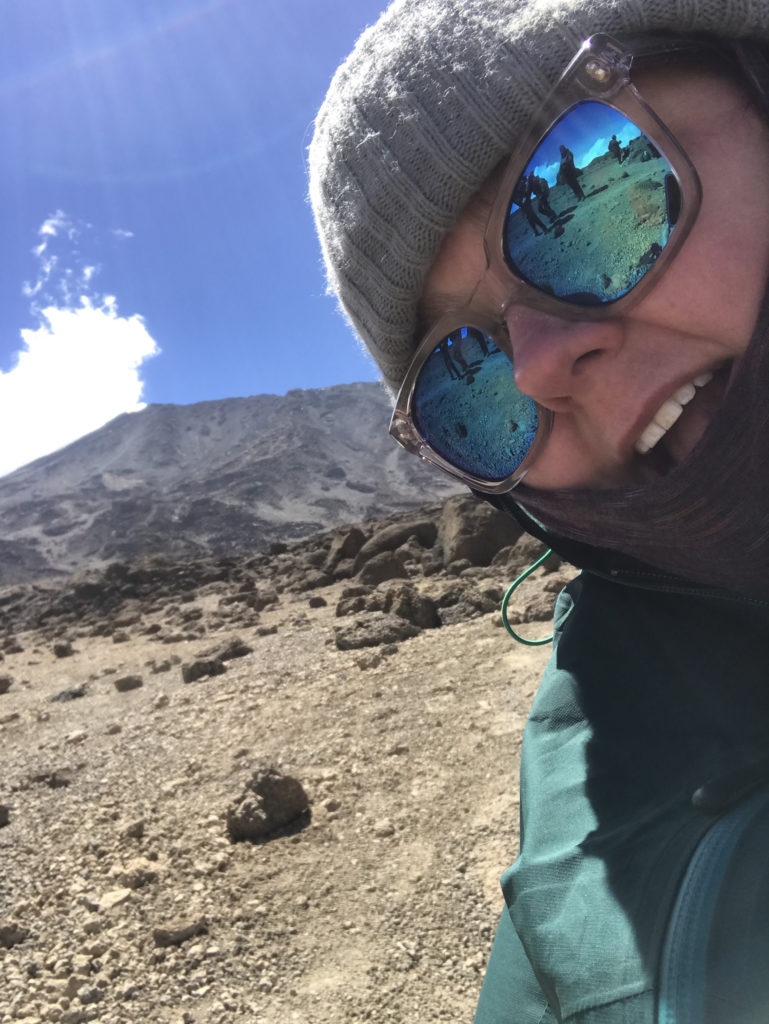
<point x="653" y="433"/>
<point x="685" y="394"/>
<point x="668" y="413"/>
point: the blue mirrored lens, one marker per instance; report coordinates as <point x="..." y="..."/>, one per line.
<point x="467" y="408"/>
<point x="593" y="209"/>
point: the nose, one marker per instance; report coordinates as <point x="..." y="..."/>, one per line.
<point x="557" y="361"/>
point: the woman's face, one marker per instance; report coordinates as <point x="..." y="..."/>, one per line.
<point x="607" y="381"/>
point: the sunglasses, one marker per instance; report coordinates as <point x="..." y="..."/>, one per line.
<point x="592" y="206"/>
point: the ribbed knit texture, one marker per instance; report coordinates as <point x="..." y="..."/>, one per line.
<point x="430" y="100"/>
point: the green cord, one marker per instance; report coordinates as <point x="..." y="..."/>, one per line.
<point x="505" y="600"/>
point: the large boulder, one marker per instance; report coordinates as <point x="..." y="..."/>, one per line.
<point x="345" y="545"/>
<point x="472" y="529"/>
<point x="391" y="537"/>
<point x="407" y="603"/>
<point x="387" y="565"/>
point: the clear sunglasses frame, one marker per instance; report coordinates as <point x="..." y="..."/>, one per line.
<point x="601" y="70"/>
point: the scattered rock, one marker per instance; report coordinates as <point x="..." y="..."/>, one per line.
<point x="313" y="579"/>
<point x="388" y="538"/>
<point x="88" y="994"/>
<point x="71" y="693"/>
<point x="384" y="829"/>
<point x="59" y="778"/>
<point x="137" y="873"/>
<point x="353" y="599"/>
<point x="63" y="649"/>
<point x="5" y="815"/>
<point x="344" y="546"/>
<point x="126" y="683"/>
<point x="316" y="601"/>
<point x="234" y="648"/>
<point x="385" y="566"/>
<point x="175" y="932"/>
<point x="6" y="682"/>
<point x="135" y="830"/>
<point x="374" y="630"/>
<point x="157" y="667"/>
<point x="270" y="801"/>
<point x="201" y="668"/>
<point x="407" y="603"/>
<point x="11" y="934"/>
<point x="114" y="898"/>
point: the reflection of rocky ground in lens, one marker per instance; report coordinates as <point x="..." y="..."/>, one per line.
<point x="626" y="199"/>
<point x="457" y="405"/>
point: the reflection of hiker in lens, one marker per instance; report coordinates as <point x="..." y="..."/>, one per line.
<point x="567" y="173"/>
<point x="522" y="196"/>
<point x="453" y="342"/>
<point x="540" y="188"/>
<point x="615" y="148"/>
<point x="444" y="351"/>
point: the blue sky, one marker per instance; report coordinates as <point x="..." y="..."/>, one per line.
<point x="157" y="245"/>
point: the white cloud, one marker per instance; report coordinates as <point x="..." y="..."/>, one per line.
<point x="80" y="367"/>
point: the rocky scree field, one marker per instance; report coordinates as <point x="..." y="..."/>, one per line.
<point x="266" y="790"/>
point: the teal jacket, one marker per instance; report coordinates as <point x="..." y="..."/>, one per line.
<point x="650" y="727"/>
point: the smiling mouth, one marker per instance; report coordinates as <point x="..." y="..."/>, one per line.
<point x="683" y="417"/>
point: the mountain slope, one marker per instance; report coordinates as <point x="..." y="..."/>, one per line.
<point x="223" y="477"/>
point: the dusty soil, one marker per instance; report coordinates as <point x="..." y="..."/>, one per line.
<point x="380" y="905"/>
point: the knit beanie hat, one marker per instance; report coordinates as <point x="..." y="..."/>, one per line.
<point x="431" y="99"/>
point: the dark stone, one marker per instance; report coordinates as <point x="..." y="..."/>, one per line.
<point x="374" y="630"/>
<point x="72" y="693"/>
<point x="234" y="648"/>
<point x="202" y="667"/>
<point x="345" y="545"/>
<point x="385" y="566"/>
<point x="271" y="801"/>
<point x="391" y="537"/>
<point x="54" y="779"/>
<point x="63" y="649"/>
<point x="316" y="601"/>
<point x="6" y="682"/>
<point x="407" y="603"/>
<point x="11" y="934"/>
<point x="313" y="579"/>
<point x="126" y="683"/>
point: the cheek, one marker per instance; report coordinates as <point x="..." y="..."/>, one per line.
<point x="574" y="458"/>
<point x="715" y="284"/>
